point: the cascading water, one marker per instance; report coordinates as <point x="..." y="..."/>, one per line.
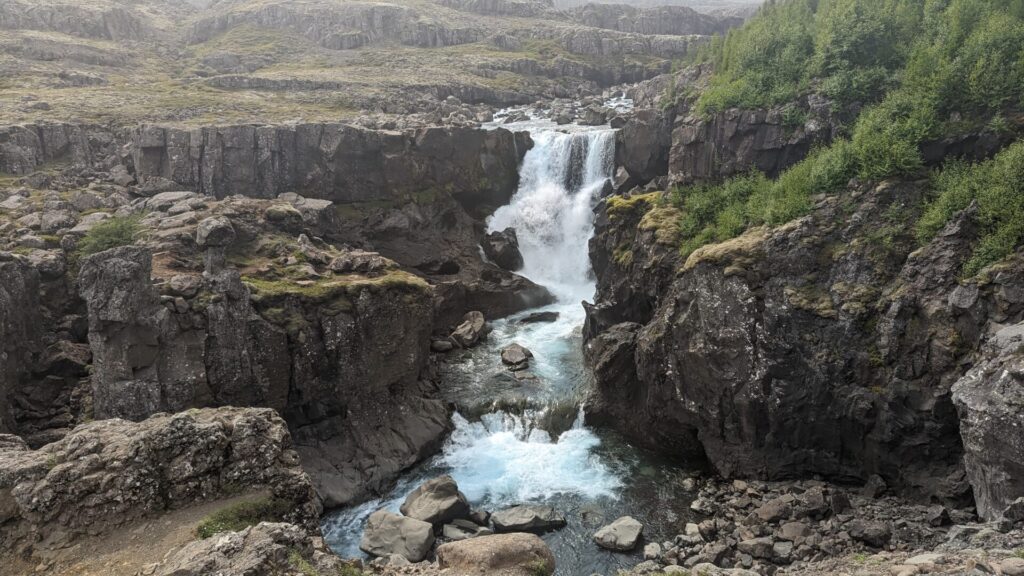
<point x="522" y="440"/>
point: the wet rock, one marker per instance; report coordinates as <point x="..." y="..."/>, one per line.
<point x="516" y="357"/>
<point x="621" y="535"/>
<point x="388" y="533"/>
<point x="502" y="248"/>
<point x="536" y="317"/>
<point x="441" y="346"/>
<point x="469" y="332"/>
<point x="436" y="501"/>
<point x="527" y="518"/>
<point x="497" y="555"/>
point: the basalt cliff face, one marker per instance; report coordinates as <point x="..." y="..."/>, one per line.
<point x="242" y="292"/>
<point x="826" y="346"/>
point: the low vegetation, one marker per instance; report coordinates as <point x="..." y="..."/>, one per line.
<point x="111" y="233"/>
<point x="964" y="72"/>
<point x="241" y="515"/>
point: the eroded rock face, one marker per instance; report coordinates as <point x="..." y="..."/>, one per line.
<point x="990" y="401"/>
<point x="109" y="472"/>
<point x="808" y="349"/>
<point x="334" y="161"/>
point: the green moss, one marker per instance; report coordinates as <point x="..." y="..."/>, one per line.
<point x="623" y="255"/>
<point x="623" y="206"/>
<point x="272" y="293"/>
<point x="242" y="515"/>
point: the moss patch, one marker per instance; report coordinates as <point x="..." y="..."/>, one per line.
<point x="624" y="206"/>
<point x="242" y="515"/>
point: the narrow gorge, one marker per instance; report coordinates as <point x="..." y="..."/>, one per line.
<point x="511" y="287"/>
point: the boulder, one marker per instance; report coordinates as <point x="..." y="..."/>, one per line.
<point x="990" y="402"/>
<point x="469" y="332"/>
<point x="516" y="357"/>
<point x="215" y="231"/>
<point x="870" y="532"/>
<point x="757" y="547"/>
<point x="388" y="533"/>
<point x="621" y="535"/>
<point x="497" y="555"/>
<point x="527" y="518"/>
<point x="436" y="501"/>
<point x="502" y="248"/>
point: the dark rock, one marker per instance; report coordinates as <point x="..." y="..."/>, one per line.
<point x="502" y="248"/>
<point x="872" y="533"/>
<point x="516" y="357"/>
<point x="539" y="317"/>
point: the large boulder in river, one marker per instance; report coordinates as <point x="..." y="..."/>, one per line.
<point x="990" y="401"/>
<point x="388" y="534"/>
<point x="527" y="518"/>
<point x="503" y="249"/>
<point x="498" y="555"/>
<point x="436" y="501"/>
<point x="621" y="535"/>
<point x="472" y="328"/>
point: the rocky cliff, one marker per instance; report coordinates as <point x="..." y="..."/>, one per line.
<point x="109" y="473"/>
<point x="825" y="346"/>
<point x="20" y="330"/>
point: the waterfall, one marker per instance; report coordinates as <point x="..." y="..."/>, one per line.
<point x="553" y="210"/>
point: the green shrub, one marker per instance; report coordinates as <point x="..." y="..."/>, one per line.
<point x="110" y="233"/>
<point x="241" y="515"/>
<point x="998" y="187"/>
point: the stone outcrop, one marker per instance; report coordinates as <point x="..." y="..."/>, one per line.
<point x="643" y="146"/>
<point x="334" y="162"/>
<point x="498" y="555"/>
<point x="814" y="348"/>
<point x="658" y="20"/>
<point x="502" y="248"/>
<point x="733" y="141"/>
<point x="990" y="401"/>
<point x="110" y="472"/>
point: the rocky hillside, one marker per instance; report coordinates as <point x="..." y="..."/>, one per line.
<point x="799" y="280"/>
<point x="107" y="61"/>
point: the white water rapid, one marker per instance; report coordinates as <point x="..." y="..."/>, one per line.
<point x="524" y="441"/>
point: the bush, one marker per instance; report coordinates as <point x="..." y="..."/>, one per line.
<point x="242" y="515"/>
<point x="998" y="187"/>
<point x="110" y="233"/>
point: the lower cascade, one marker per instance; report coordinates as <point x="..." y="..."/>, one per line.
<point x="519" y="438"/>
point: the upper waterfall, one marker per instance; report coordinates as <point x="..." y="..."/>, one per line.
<point x="553" y="210"/>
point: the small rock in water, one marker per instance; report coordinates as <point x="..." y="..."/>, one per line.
<point x="621" y="535"/>
<point x="441" y="345"/>
<point x="516" y="357"/>
<point x="471" y="330"/>
<point x="549" y="316"/>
